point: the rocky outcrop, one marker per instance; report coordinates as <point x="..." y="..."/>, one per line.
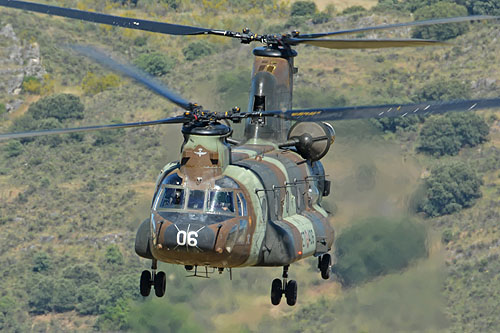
<point x="18" y="59"/>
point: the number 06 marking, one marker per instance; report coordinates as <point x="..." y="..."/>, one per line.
<point x="189" y="238"/>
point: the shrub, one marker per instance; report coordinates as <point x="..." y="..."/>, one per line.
<point x="41" y="262"/>
<point x="320" y="18"/>
<point x="377" y="246"/>
<point x="311" y="97"/>
<point x="113" y="255"/>
<point x="440" y="31"/>
<point x="483" y="7"/>
<point x="13" y="148"/>
<point x="197" y="50"/>
<point x="3" y="109"/>
<point x="353" y="9"/>
<point x="32" y="85"/>
<point x="446" y="135"/>
<point x="444" y="90"/>
<point x="82" y="274"/>
<point x="303" y="8"/>
<point x="93" y="84"/>
<point x="450" y="188"/>
<point x="155" y="63"/>
<point x="398" y="123"/>
<point x="174" y="4"/>
<point x="60" y="107"/>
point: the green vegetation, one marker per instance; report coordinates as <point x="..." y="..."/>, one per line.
<point x="32" y="85"/>
<point x="440" y="31"/>
<point x="93" y="84"/>
<point x="377" y="246"/>
<point x="197" y="50"/>
<point x="303" y="8"/>
<point x="450" y="188"/>
<point x="3" y="109"/>
<point x="155" y="63"/>
<point x="446" y="135"/>
<point x="353" y="10"/>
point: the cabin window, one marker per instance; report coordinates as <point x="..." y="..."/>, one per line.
<point x="172" y="198"/>
<point x="220" y="202"/>
<point x="242" y="204"/>
<point x="196" y="199"/>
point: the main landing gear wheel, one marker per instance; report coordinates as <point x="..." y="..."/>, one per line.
<point x="160" y="283"/>
<point x="145" y="283"/>
<point x="280" y="287"/>
<point x="276" y="291"/>
<point x="291" y="292"/>
<point x="324" y="265"/>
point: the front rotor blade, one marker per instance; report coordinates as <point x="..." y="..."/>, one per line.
<point x="365" y="43"/>
<point x="20" y="135"/>
<point x="384" y="111"/>
<point x="131" y="23"/>
<point x="404" y="24"/>
<point x="134" y="73"/>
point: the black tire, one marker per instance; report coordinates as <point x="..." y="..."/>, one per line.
<point x="276" y="291"/>
<point x="188" y="267"/>
<point x="326" y="261"/>
<point x="291" y="292"/>
<point x="145" y="283"/>
<point x="160" y="284"/>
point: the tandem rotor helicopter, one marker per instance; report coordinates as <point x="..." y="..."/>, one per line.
<point x="226" y="204"/>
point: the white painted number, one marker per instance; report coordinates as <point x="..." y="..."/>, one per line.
<point x="188" y="238"/>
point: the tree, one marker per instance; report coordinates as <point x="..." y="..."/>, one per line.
<point x="155" y="63"/>
<point x="197" y="50"/>
<point x="440" y="31"/>
<point x="13" y="148"/>
<point x="303" y="8"/>
<point x="59" y="106"/>
<point x="41" y="262"/>
<point x="353" y="9"/>
<point x="82" y="274"/>
<point x="377" y="246"/>
<point x="483" y="7"/>
<point x="446" y="135"/>
<point x="93" y="84"/>
<point x="444" y="90"/>
<point x="450" y="188"/>
<point x="113" y="255"/>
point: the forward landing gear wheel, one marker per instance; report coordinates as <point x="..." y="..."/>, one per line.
<point x="145" y="283"/>
<point x="291" y="292"/>
<point x="324" y="266"/>
<point x="276" y="291"/>
<point x="160" y="283"/>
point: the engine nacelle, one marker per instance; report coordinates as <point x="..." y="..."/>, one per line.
<point x="312" y="140"/>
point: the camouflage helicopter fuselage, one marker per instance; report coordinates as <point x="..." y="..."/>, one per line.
<point x="250" y="205"/>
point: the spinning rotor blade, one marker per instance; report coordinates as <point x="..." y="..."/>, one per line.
<point x="401" y="25"/>
<point x="141" y="77"/>
<point x="125" y="22"/>
<point x="20" y="135"/>
<point x="384" y="111"/>
<point x="365" y="43"/>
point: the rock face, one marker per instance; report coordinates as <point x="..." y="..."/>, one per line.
<point x="17" y="60"/>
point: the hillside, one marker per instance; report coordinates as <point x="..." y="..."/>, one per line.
<point x="69" y="207"/>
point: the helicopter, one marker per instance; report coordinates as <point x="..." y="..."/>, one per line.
<point x="229" y="203"/>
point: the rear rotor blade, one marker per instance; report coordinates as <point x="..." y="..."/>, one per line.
<point x="401" y="25"/>
<point x="365" y="43"/>
<point x="131" y="23"/>
<point x="20" y="135"/>
<point x="384" y="111"/>
<point x="134" y="73"/>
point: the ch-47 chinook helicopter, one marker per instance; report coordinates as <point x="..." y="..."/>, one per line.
<point x="225" y="203"/>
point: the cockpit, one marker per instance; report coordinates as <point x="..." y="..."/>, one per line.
<point x="227" y="200"/>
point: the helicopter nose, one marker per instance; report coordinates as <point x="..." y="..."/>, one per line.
<point x="189" y="236"/>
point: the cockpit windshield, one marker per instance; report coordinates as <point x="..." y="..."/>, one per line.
<point x="220" y="202"/>
<point x="172" y="198"/>
<point x="213" y="201"/>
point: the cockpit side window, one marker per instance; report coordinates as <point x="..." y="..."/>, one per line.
<point x="196" y="199"/>
<point x="172" y="198"/>
<point x="242" y="204"/>
<point x="220" y="202"/>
